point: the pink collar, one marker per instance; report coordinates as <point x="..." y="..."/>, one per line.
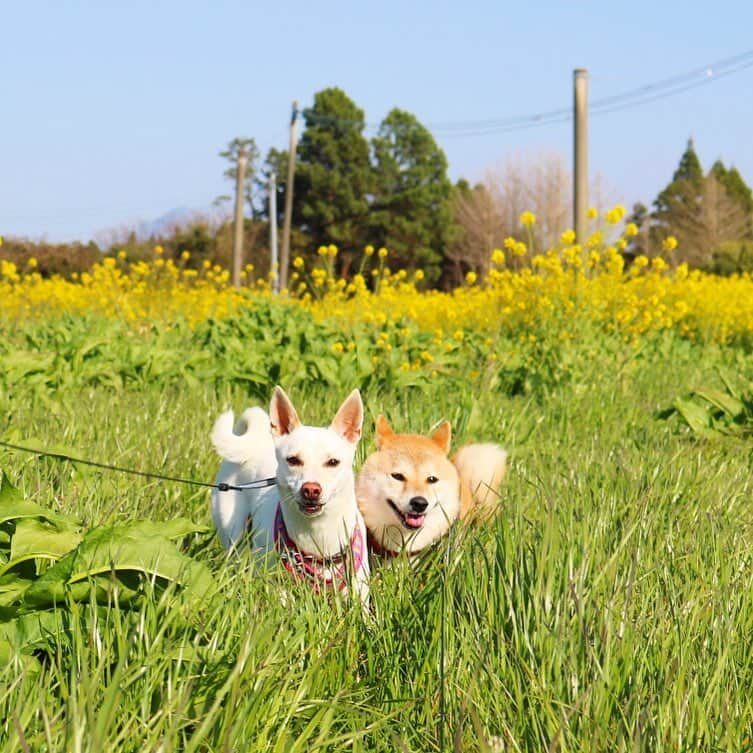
<point x="310" y="567"/>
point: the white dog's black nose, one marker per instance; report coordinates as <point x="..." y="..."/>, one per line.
<point x="418" y="504"/>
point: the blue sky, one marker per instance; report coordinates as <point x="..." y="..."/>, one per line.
<point x="114" y="112"/>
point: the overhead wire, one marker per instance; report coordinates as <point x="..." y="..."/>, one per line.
<point x="651" y="92"/>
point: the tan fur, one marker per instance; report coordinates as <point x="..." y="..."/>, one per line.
<point x="464" y="487"/>
<point x="481" y="468"/>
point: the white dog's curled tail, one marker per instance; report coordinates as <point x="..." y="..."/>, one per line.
<point x="481" y="468"/>
<point x="248" y="439"/>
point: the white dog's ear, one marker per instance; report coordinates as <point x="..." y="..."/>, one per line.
<point x="282" y="415"/>
<point x="442" y="436"/>
<point x="384" y="432"/>
<point x="348" y="420"/>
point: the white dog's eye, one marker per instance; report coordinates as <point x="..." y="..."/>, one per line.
<point x="293" y="460"/>
<point x="432" y="479"/>
<point x="332" y="463"/>
<point x="398" y="476"/>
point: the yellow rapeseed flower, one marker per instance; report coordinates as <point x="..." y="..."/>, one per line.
<point x="471" y="278"/>
<point x="592" y="213"/>
<point x="159" y="250"/>
<point x="615" y="215"/>
<point x="519" y="249"/>
<point x="33" y="263"/>
<point x="322" y="250"/>
<point x="631" y="229"/>
<point x="669" y="244"/>
<point x="369" y="250"/>
<point x="498" y="256"/>
<point x="298" y="262"/>
<point x="382" y="253"/>
<point x="567" y="237"/>
<point x="527" y="219"/>
<point x="332" y="250"/>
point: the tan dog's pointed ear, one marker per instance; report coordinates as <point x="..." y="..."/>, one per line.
<point x="282" y="416"/>
<point x="442" y="436"/>
<point x="384" y="432"/>
<point x="348" y="421"/>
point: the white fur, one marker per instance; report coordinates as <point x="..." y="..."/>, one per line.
<point x="262" y="446"/>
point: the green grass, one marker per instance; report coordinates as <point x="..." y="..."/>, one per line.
<point x="608" y="608"/>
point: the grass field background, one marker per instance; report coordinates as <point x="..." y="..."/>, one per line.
<point x="608" y="607"/>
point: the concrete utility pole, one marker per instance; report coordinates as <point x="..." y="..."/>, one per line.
<point x="580" y="154"/>
<point x="274" y="266"/>
<point x="285" y="251"/>
<point x="240" y="181"/>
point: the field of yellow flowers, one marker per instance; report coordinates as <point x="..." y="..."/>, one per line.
<point x="556" y="292"/>
<point x="608" y="606"/>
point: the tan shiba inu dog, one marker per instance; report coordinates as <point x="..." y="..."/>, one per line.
<point x="410" y="492"/>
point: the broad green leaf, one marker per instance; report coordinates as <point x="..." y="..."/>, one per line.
<point x="721" y="400"/>
<point x="696" y="416"/>
<point x="38" y="538"/>
<point x="731" y="384"/>
<point x="9" y="495"/>
<point x="13" y="507"/>
<point x="21" y="363"/>
<point x="128" y="547"/>
<point x="29" y="631"/>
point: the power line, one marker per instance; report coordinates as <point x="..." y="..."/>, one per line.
<point x="651" y="92"/>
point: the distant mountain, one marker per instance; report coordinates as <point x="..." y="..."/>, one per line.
<point x="165" y="223"/>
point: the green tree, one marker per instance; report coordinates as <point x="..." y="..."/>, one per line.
<point x="704" y="212"/>
<point x="678" y="210"/>
<point x="333" y="173"/>
<point x="412" y="195"/>
<point x="231" y="155"/>
<point x="639" y="243"/>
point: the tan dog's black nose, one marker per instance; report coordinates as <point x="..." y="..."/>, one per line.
<point x="418" y="504"/>
<point x="311" y="491"/>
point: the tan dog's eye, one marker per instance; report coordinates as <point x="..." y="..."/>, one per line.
<point x="432" y="479"/>
<point x="398" y="476"/>
<point x="332" y="463"/>
<point x="293" y="460"/>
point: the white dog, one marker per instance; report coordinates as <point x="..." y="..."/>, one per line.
<point x="310" y="517"/>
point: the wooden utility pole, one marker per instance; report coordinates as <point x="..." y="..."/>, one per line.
<point x="285" y="251"/>
<point x="240" y="181"/>
<point x="274" y="266"/>
<point x="580" y="154"/>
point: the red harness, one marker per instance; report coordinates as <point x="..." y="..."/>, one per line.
<point x="381" y="551"/>
<point x="311" y="568"/>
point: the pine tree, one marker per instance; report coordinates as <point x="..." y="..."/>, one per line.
<point x="230" y="153"/>
<point x="411" y="212"/>
<point x="704" y="212"/>
<point x="678" y="210"/>
<point x="333" y="173"/>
